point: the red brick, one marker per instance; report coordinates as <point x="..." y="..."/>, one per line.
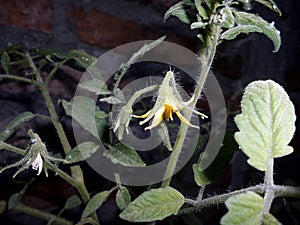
<point x="106" y="31"/>
<point x="30" y="14"/>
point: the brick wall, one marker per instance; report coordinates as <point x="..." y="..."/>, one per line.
<point x="87" y="24"/>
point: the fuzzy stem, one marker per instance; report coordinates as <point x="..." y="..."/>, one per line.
<point x="13" y="77"/>
<point x="37" y="213"/>
<point x="207" y="60"/>
<point x="278" y="190"/>
<point x="269" y="182"/>
<point x="75" y="170"/>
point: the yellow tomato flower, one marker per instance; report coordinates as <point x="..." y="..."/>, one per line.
<point x="167" y="103"/>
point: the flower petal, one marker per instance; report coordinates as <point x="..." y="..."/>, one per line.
<point x="144" y="115"/>
<point x="158" y="117"/>
<point x="184" y="120"/>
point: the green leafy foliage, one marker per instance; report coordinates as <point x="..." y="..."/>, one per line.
<point x="72" y="202"/>
<point x="268" y="29"/>
<point x="124" y="155"/>
<point x="218" y="165"/>
<point x="235" y="31"/>
<point x="123" y="198"/>
<point x="96" y="86"/>
<point x="179" y="10"/>
<point x="82" y="152"/>
<point x="201" y="9"/>
<point x="87" y="61"/>
<point x="5" y="62"/>
<point x="270" y="4"/>
<point x="228" y="18"/>
<point x="86" y="113"/>
<point x="95" y="203"/>
<point x="14" y="200"/>
<point x="246" y="209"/>
<point x="14" y="124"/>
<point x="152" y="205"/>
<point x="116" y="98"/>
<point x="266" y="124"/>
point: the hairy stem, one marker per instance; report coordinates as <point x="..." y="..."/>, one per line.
<point x="38" y="213"/>
<point x="207" y="60"/>
<point x="278" y="190"/>
<point x="269" y="182"/>
<point x="75" y="170"/>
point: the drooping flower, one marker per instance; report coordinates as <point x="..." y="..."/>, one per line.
<point x="168" y="102"/>
<point x="35" y="156"/>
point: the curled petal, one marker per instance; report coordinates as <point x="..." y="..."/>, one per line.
<point x="158" y="117"/>
<point x="184" y="120"/>
<point x="38" y="164"/>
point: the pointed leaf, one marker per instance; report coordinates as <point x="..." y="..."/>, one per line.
<point x="266" y="124"/>
<point x="218" y="165"/>
<point x="235" y="31"/>
<point x="82" y="152"/>
<point x="179" y="10"/>
<point x="270" y="4"/>
<point x="152" y="205"/>
<point x="5" y="62"/>
<point x="95" y="203"/>
<point x="84" y="111"/>
<point x="14" y="200"/>
<point x="96" y="86"/>
<point x="123" y="198"/>
<point x="228" y="18"/>
<point x="124" y="155"/>
<point x="246" y="209"/>
<point x="201" y="10"/>
<point x="82" y="57"/>
<point x="117" y="97"/>
<point x="198" y="25"/>
<point x="13" y="125"/>
<point x="72" y="202"/>
<point x="87" y="61"/>
<point x="268" y="29"/>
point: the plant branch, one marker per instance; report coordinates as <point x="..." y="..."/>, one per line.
<point x="37" y="213"/>
<point x="278" y="190"/>
<point x="206" y="64"/>
<point x="17" y="78"/>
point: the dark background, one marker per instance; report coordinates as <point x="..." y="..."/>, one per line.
<point x="99" y="25"/>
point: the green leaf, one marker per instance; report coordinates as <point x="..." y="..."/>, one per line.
<point x="116" y="98"/>
<point x="235" y="31"/>
<point x="124" y="155"/>
<point x="146" y="48"/>
<point x="198" y="25"/>
<point x="218" y="165"/>
<point x="96" y="86"/>
<point x="201" y="10"/>
<point x="179" y="10"/>
<point x="152" y="205"/>
<point x="266" y="124"/>
<point x="87" y="61"/>
<point x="14" y="200"/>
<point x="82" y="152"/>
<point x="268" y="29"/>
<point x="5" y="62"/>
<point x="95" y="203"/>
<point x="85" y="112"/>
<point x="123" y="198"/>
<point x="82" y="57"/>
<point x="270" y="4"/>
<point x="228" y="21"/>
<point x="72" y="202"/>
<point x="14" y="124"/>
<point x="246" y="209"/>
